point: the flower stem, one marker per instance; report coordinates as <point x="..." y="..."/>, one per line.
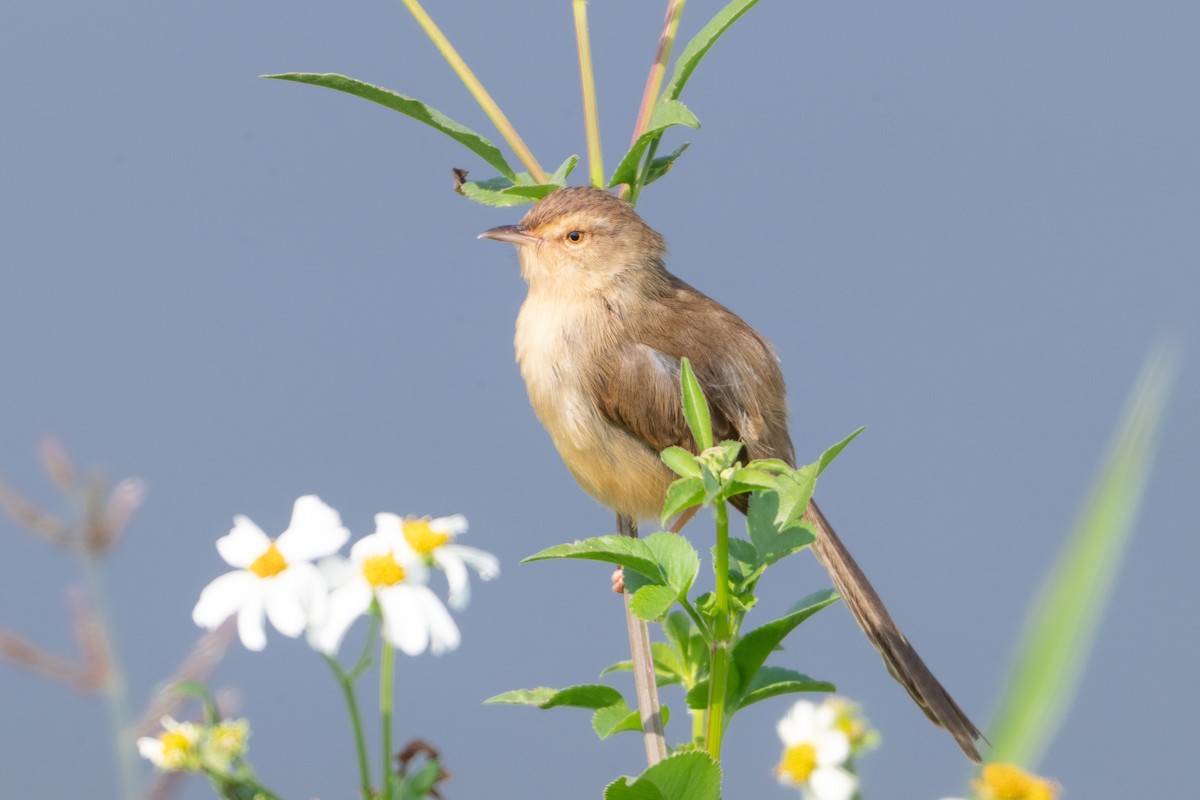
<point x="345" y="680"/>
<point x="722" y="636"/>
<point x="386" y="702"/>
<point x="476" y="89"/>
<point x="591" y="116"/>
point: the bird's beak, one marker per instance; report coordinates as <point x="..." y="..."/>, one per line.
<point x="516" y="234"/>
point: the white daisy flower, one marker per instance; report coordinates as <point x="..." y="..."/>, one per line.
<point x="386" y="569"/>
<point x="815" y="751"/>
<point x="432" y="539"/>
<point x="176" y="748"/>
<point x="274" y="577"/>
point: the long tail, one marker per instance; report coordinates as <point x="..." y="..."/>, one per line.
<point x="899" y="656"/>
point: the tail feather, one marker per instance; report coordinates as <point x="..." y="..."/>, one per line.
<point x="901" y="659"/>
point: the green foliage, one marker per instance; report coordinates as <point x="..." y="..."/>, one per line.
<point x="701" y="43"/>
<point x="695" y="406"/>
<point x="1062" y="625"/>
<point x="667" y="114"/>
<point x="501" y="191"/>
<point x="410" y="107"/>
<point x="612" y="713"/>
<point x="683" y="776"/>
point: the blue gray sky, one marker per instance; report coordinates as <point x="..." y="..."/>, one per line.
<point x="963" y="226"/>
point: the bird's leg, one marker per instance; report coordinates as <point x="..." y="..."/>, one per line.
<point x="644" y="681"/>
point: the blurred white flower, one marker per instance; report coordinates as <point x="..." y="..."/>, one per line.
<point x="433" y="540"/>
<point x="274" y="577"/>
<point x="815" y="752"/>
<point x="386" y="569"/>
<point x="176" y="748"/>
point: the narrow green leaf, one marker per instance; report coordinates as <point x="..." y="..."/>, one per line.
<point x="1063" y="620"/>
<point x="559" y="178"/>
<point x="588" y="695"/>
<point x="409" y="107"/>
<point x="662" y="165"/>
<point x="199" y="691"/>
<point x="829" y="455"/>
<point x="751" y="650"/>
<point x="625" y="551"/>
<point x="773" y="681"/>
<point x="695" y="407"/>
<point x="682" y="494"/>
<point x="618" y="717"/>
<point x="681" y="462"/>
<point x="502" y="198"/>
<point x="775" y="540"/>
<point x="700" y="44"/>
<point x="691" y="775"/>
<point x="667" y="114"/>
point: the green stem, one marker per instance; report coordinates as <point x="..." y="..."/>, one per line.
<point x="364" y="658"/>
<point x="386" y="701"/>
<point x="116" y="693"/>
<point x="719" y="665"/>
<point x="345" y="680"/>
<point x="696" y="618"/>
<point x="587" y="80"/>
<point x="476" y="89"/>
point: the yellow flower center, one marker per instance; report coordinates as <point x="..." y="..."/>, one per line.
<point x="269" y="564"/>
<point x="798" y="763"/>
<point x="229" y="738"/>
<point x="1008" y="782"/>
<point x="176" y="749"/>
<point x="382" y="570"/>
<point x="421" y="537"/>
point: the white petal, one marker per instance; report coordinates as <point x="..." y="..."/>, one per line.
<point x="390" y="528"/>
<point x="151" y="749"/>
<point x="483" y="562"/>
<point x="455" y="525"/>
<point x="294" y="596"/>
<point x="316" y="530"/>
<point x="404" y="623"/>
<point x="832" y="783"/>
<point x="250" y="623"/>
<point x="443" y="633"/>
<point x="456" y="577"/>
<point x="244" y="543"/>
<point x="797" y="726"/>
<point x="346" y="604"/>
<point x="371" y="545"/>
<point x="833" y="748"/>
<point x="337" y="571"/>
<point x="223" y="597"/>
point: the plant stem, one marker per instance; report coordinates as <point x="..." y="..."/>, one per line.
<point x="480" y="94"/>
<point x="644" y="681"/>
<point x="116" y="693"/>
<point x="360" y="740"/>
<point x="587" y="81"/>
<point x="719" y="666"/>
<point x="654" y="80"/>
<point x="386" y="701"/>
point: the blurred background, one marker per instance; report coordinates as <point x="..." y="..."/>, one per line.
<point x="963" y="226"/>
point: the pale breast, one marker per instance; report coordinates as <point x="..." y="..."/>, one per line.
<point x="555" y="358"/>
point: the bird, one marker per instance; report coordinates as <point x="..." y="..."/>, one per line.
<point x="600" y="340"/>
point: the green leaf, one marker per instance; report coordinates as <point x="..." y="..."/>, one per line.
<point x="508" y="196"/>
<point x="1063" y="620"/>
<point x="695" y="407"/>
<point x="772" y="539"/>
<point x="667" y="114"/>
<point x="682" y="494"/>
<point x="652" y="603"/>
<point x="681" y="462"/>
<point x="408" y="106"/>
<point x="677" y="564"/>
<point x="559" y="177"/>
<point x="751" y="650"/>
<point x="669" y="667"/>
<point x="662" y="165"/>
<point x="773" y="681"/>
<point x="618" y="717"/>
<point x="829" y="455"/>
<point x="199" y="691"/>
<point x="588" y="695"/>
<point x="625" y="551"/>
<point x="699" y="46"/>
<point x="691" y="775"/>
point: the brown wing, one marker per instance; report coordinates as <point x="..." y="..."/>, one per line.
<point x="638" y="385"/>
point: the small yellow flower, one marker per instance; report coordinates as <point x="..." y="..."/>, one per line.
<point x="228" y="738"/>
<point x="1010" y="782"/>
<point x="175" y="749"/>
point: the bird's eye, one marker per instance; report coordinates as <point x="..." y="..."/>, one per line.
<point x="575" y="237"/>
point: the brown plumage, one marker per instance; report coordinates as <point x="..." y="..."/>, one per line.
<point x="599" y="340"/>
